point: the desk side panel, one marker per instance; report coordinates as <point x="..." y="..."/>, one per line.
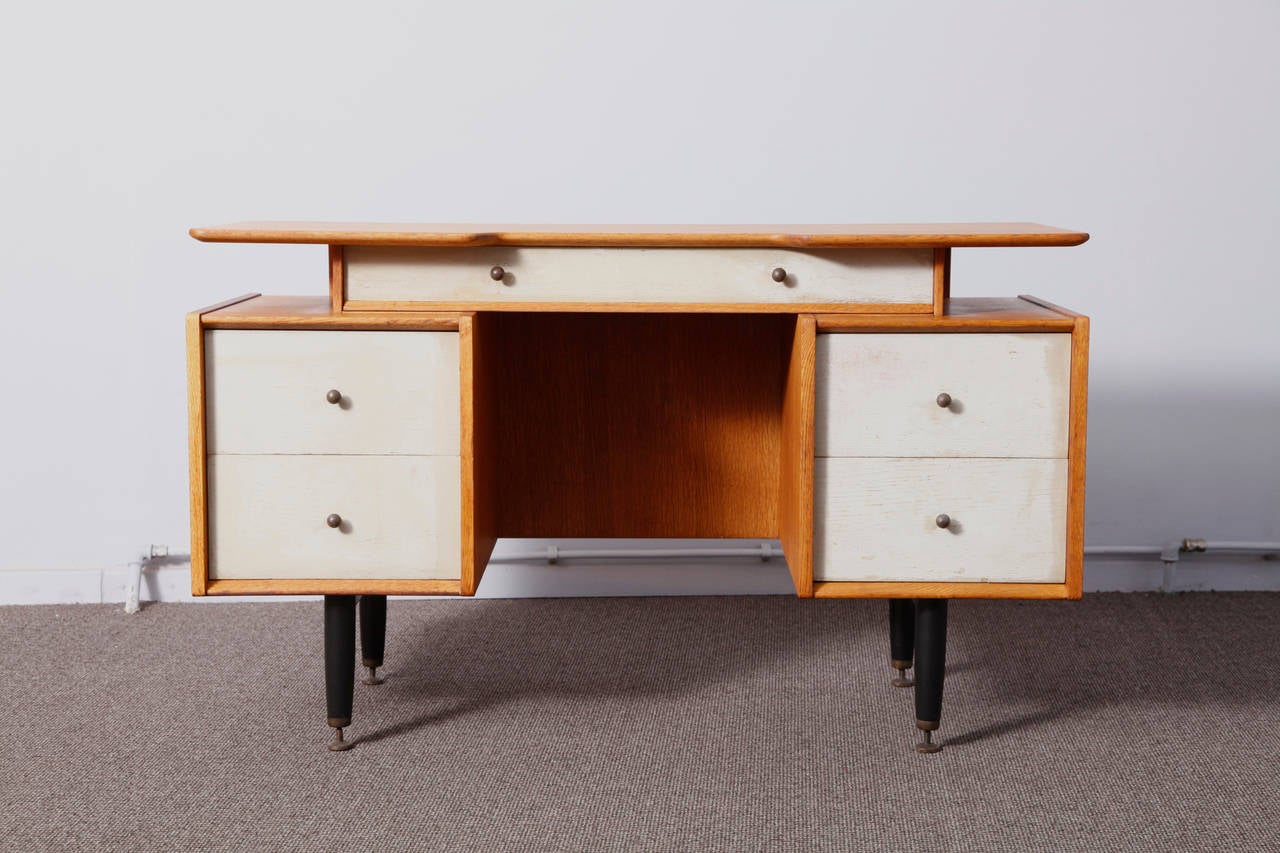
<point x="795" y="501"/>
<point x="479" y="448"/>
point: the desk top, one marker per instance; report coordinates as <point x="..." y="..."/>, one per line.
<point x="891" y="236"/>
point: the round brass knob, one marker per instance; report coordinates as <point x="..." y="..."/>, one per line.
<point x="497" y="273"/>
<point x="333" y="395"/>
<point x="334" y="520"/>
<point x="944" y="400"/>
<point x="943" y="521"/>
<point x="779" y="274"/>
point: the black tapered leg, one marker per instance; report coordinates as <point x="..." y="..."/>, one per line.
<point x="902" y="638"/>
<point x="339" y="663"/>
<point x="931" y="663"/>
<point x="373" y="635"/>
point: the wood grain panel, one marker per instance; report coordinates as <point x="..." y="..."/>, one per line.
<point x="1076" y="456"/>
<point x="196" y="443"/>
<point x="639" y="425"/>
<point x="795" y="519"/>
<point x="882" y="236"/>
<point x="962" y="314"/>
<point x="315" y="312"/>
<point x="941" y="280"/>
<point x="877" y="395"/>
<point x="873" y="589"/>
<point x="652" y="276"/>
<point x="330" y="586"/>
<point x="400" y="517"/>
<point x="480" y="486"/>
<point x="875" y="520"/>
<point x="267" y="392"/>
<point x="337" y="278"/>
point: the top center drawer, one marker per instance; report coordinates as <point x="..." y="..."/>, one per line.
<point x="577" y="278"/>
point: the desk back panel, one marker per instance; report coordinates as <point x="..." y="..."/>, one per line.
<point x="632" y="425"/>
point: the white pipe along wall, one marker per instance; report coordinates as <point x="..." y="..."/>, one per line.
<point x="1143" y="123"/>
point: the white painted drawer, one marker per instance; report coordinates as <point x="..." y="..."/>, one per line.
<point x="875" y="520"/>
<point x="877" y="394"/>
<point x="400" y="517"/>
<point x="266" y="392"/>
<point x="410" y="274"/>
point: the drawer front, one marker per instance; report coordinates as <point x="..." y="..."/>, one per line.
<point x="408" y="274"/>
<point x="400" y="517"/>
<point x="267" y="392"/>
<point x="877" y="395"/>
<point x="876" y="520"/>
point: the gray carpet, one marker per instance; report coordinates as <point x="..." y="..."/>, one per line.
<point x="1123" y="722"/>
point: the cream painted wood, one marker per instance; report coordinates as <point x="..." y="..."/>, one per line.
<point x="877" y="395"/>
<point x="875" y="520"/>
<point x="266" y="392"/>
<point x="410" y="274"/>
<point x="401" y="517"/>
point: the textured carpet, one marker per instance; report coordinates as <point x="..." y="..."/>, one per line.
<point x="1123" y="722"/>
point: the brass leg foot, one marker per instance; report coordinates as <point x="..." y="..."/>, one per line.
<point x="902" y="680"/>
<point x="338" y="744"/>
<point x="372" y="677"/>
<point x="927" y="746"/>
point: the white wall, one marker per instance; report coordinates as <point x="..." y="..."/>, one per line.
<point x="1153" y="125"/>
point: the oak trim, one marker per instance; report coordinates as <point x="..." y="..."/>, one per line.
<point x="315" y="312"/>
<point x="1048" y="306"/>
<point x="973" y="314"/>
<point x="905" y="308"/>
<point x="331" y="586"/>
<point x="869" y="236"/>
<point x="795" y="496"/>
<point x="197" y="482"/>
<point x="949" y="589"/>
<point x="941" y="280"/>
<point x="1076" y="442"/>
<point x="479" y="493"/>
<point x="337" y="278"/>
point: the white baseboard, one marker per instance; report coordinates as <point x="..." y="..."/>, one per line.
<point x="538" y="579"/>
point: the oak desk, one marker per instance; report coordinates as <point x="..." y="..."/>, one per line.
<point x="814" y="384"/>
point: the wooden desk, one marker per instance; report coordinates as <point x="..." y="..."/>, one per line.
<point x="814" y="384"/>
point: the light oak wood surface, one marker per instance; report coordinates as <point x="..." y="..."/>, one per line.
<point x="331" y="586"/>
<point x="1076" y="455"/>
<point x="877" y="395"/>
<point x="916" y="589"/>
<point x="197" y="484"/>
<point x="941" y="280"/>
<point x="639" y="425"/>
<point x="795" y="501"/>
<point x="875" y="520"/>
<point x="481" y="481"/>
<point x="401" y="517"/>
<point x="391" y="274"/>
<point x="315" y="312"/>
<point x="877" y="236"/>
<point x="961" y="314"/>
<point x="266" y="390"/>
<point x="337" y="278"/>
